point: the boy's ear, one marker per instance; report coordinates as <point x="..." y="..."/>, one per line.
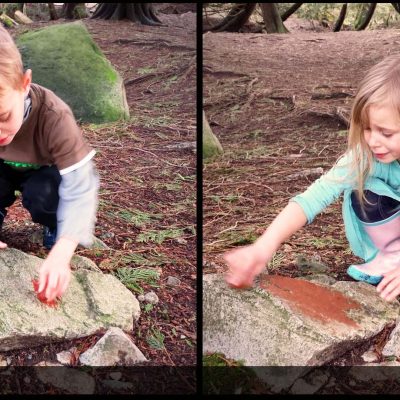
<point x="27" y="81"/>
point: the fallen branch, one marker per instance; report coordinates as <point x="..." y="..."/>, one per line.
<point x="333" y="95"/>
<point x="7" y="21"/>
<point x="154" y="42"/>
<point x="338" y="113"/>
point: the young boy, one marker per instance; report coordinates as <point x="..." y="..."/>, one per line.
<point x="44" y="156"/>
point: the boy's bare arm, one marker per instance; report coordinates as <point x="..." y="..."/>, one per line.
<point x="247" y="262"/>
<point x="55" y="272"/>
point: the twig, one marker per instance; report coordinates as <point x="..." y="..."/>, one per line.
<point x="217" y="241"/>
<point x="228" y="229"/>
<point x="155" y="155"/>
<point x="154" y="42"/>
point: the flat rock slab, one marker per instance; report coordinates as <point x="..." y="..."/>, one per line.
<point x="93" y="301"/>
<point x="290" y="322"/>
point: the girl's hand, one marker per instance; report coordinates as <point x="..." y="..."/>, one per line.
<point x="3" y="245"/>
<point x="389" y="286"/>
<point x="55" y="272"/>
<point x="245" y="263"/>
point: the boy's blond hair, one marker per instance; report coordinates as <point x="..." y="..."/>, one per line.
<point x="11" y="67"/>
<point x="380" y="86"/>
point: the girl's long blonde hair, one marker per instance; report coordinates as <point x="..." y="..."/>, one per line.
<point x="11" y="68"/>
<point x="381" y="85"/>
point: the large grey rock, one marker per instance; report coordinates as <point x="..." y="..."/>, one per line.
<point x="261" y="328"/>
<point x="114" y="348"/>
<point x="92" y="302"/>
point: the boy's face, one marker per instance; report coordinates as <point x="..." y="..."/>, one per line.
<point x="12" y="110"/>
<point x="383" y="133"/>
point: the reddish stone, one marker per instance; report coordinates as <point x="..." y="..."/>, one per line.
<point x="318" y="302"/>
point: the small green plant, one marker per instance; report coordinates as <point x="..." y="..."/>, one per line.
<point x="132" y="277"/>
<point x="156" y="339"/>
<point x="136" y="217"/>
<point x="148" y="307"/>
<point x="174" y="187"/>
<point x="163" y="120"/>
<point x="159" y="236"/>
<point x="185" y="178"/>
<point x="145" y="70"/>
<point x="276" y="261"/>
<point x="189" y="343"/>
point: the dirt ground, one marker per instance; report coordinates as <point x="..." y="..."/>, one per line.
<point x="148" y="164"/>
<point x="279" y="104"/>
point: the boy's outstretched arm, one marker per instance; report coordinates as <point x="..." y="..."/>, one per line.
<point x="248" y="261"/>
<point x="76" y="216"/>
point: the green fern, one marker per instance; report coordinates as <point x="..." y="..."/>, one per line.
<point x="159" y="236"/>
<point x="132" y="277"/>
<point x="156" y="340"/>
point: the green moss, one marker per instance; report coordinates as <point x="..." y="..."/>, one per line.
<point x="65" y="59"/>
<point x="226" y="376"/>
<point x="105" y="318"/>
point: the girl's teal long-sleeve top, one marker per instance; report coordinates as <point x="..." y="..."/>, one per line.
<point x="384" y="180"/>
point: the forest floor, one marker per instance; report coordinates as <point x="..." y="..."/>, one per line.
<point x="147" y="199"/>
<point x="279" y="104"/>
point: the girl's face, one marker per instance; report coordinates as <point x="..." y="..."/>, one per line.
<point x="383" y="133"/>
<point x="12" y="111"/>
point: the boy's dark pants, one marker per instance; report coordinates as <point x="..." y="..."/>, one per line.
<point x="39" y="189"/>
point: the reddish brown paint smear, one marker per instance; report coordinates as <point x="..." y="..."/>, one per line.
<point x="41" y="296"/>
<point x="315" y="301"/>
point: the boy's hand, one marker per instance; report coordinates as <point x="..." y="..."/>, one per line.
<point x="55" y="272"/>
<point x="245" y="263"/>
<point x="54" y="277"/>
<point x="389" y="286"/>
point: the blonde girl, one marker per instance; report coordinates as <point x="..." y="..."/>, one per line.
<point x="368" y="175"/>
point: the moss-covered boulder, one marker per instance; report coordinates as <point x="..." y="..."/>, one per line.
<point x="65" y="59"/>
<point x="211" y="144"/>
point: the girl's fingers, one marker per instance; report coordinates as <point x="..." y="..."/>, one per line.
<point x="391" y="289"/>
<point x="387" y="278"/>
<point x="3" y="245"/>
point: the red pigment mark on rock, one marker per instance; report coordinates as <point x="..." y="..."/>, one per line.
<point x="315" y="301"/>
<point x="41" y="296"/>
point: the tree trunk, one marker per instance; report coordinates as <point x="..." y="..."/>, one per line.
<point x="52" y="11"/>
<point x="211" y="144"/>
<point x="68" y="10"/>
<point x="135" y="12"/>
<point x="396" y="7"/>
<point x="74" y="10"/>
<point x="272" y="19"/>
<point x="237" y="17"/>
<point x="340" y="20"/>
<point x="290" y="11"/>
<point x="365" y="17"/>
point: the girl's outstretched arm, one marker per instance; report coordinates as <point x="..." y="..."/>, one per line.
<point x="248" y="261"/>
